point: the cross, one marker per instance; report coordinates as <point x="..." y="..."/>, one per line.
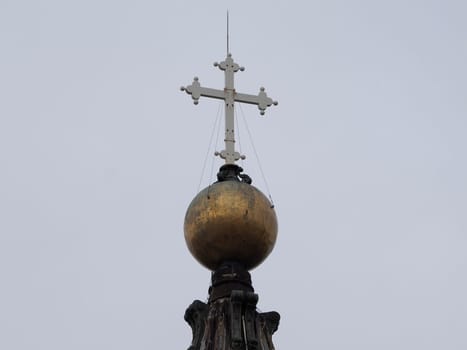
<point x="230" y="96"/>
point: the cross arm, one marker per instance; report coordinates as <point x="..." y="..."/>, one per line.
<point x="261" y="100"/>
<point x="196" y="91"/>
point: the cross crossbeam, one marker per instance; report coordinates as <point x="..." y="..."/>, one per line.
<point x="230" y="96"/>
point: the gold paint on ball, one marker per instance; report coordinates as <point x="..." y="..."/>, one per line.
<point x="230" y="221"/>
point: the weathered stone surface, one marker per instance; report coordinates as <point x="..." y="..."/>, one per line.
<point x="231" y="321"/>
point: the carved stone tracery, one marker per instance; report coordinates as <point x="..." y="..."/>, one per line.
<point x="231" y="321"/>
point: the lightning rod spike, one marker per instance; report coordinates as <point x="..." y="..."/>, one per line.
<point x="227" y="32"/>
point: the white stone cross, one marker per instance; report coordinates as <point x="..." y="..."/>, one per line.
<point x="230" y="96"/>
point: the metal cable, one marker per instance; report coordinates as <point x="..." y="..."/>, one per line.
<point x="215" y="146"/>
<point x="237" y="126"/>
<point x="257" y="157"/>
<point x="216" y="122"/>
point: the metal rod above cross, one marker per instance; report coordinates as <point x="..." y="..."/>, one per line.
<point x="230" y="96"/>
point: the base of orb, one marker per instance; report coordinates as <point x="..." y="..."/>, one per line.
<point x="229" y="321"/>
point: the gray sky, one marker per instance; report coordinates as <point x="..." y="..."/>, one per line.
<point x="365" y="157"/>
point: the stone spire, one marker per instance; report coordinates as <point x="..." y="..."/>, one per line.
<point x="230" y="320"/>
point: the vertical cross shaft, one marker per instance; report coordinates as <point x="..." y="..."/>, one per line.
<point x="229" y="68"/>
<point x="230" y="96"/>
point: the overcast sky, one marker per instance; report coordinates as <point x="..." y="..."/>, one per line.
<point x="365" y="158"/>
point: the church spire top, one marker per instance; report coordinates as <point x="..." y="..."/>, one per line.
<point x="230" y="227"/>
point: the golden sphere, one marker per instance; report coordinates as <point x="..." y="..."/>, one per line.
<point x="230" y="221"/>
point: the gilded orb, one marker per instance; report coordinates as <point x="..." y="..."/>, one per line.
<point x="230" y="221"/>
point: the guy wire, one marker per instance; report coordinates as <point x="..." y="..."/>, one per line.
<point x="209" y="146"/>
<point x="257" y="157"/>
<point x="237" y="127"/>
<point x="215" y="146"/>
